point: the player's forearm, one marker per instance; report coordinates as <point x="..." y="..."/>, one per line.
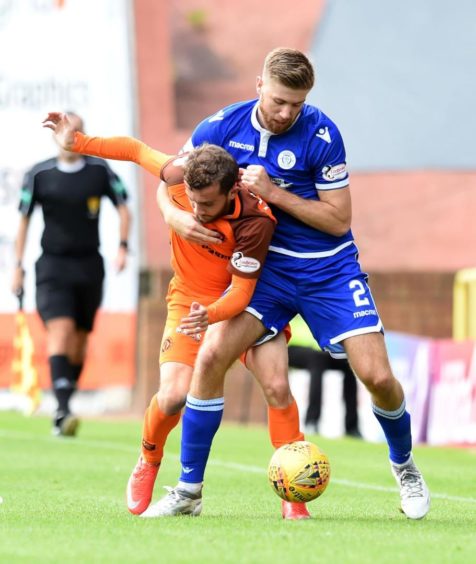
<point x="234" y="301"/>
<point x="325" y="216"/>
<point x="20" y="241"/>
<point x="124" y="222"/>
<point x="117" y="148"/>
<point x="120" y="149"/>
<point x="164" y="202"/>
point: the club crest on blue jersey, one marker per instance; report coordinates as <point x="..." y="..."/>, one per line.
<point x="286" y="159"/>
<point x="306" y="159"/>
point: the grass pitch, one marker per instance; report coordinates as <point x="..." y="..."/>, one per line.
<point x="64" y="501"/>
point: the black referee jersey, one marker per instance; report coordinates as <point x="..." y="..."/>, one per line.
<point x="70" y="197"/>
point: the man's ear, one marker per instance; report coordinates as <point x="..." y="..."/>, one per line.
<point x="259" y="84"/>
<point x="234" y="191"/>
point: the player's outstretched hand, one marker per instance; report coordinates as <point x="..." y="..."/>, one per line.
<point x="59" y="123"/>
<point x="195" y="323"/>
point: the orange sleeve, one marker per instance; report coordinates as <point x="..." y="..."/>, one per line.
<point x="234" y="301"/>
<point x="121" y="149"/>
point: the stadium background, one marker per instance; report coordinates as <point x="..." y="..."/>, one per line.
<point x="401" y="92"/>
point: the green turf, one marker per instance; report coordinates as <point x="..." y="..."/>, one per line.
<point x="63" y="501"/>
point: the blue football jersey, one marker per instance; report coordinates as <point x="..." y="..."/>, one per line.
<point x="308" y="157"/>
<point x="306" y="271"/>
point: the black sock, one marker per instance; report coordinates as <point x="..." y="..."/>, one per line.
<point x="77" y="369"/>
<point x="62" y="377"/>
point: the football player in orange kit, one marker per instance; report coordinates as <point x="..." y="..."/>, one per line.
<point x="211" y="283"/>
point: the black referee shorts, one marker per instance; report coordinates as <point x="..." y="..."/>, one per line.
<point x="69" y="287"/>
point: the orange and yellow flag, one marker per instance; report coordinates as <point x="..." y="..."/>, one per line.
<point x="25" y="375"/>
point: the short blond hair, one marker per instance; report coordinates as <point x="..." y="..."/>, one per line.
<point x="290" y="67"/>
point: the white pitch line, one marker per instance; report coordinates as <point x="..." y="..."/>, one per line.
<point x="14" y="435"/>
<point x="347" y="483"/>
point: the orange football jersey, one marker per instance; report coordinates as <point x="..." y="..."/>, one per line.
<point x="202" y="272"/>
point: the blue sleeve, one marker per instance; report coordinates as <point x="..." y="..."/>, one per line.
<point x="328" y="159"/>
<point x="208" y="130"/>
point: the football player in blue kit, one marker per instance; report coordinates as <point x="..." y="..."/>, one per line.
<point x="292" y="156"/>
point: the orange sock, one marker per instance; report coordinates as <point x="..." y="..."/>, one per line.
<point x="156" y="429"/>
<point x="283" y="425"/>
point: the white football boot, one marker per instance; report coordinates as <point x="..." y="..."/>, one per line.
<point x="414" y="493"/>
<point x="176" y="502"/>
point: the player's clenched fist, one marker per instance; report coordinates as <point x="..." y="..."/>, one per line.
<point x="256" y="179"/>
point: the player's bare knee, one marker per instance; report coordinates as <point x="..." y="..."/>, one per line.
<point x="380" y="384"/>
<point x="212" y="358"/>
<point x="171" y="400"/>
<point x="277" y="394"/>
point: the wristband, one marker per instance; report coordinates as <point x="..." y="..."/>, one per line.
<point x="124" y="244"/>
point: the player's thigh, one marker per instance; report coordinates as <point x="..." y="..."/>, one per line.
<point x="367" y="355"/>
<point x="177" y="347"/>
<point x="224" y="342"/>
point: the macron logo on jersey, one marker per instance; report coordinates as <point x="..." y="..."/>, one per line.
<point x="244" y="146"/>
<point x="217" y="117"/>
<point x="324" y="134"/>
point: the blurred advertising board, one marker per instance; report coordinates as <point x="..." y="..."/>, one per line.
<point x="67" y="55"/>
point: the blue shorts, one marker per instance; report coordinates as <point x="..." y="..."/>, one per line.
<point x="330" y="293"/>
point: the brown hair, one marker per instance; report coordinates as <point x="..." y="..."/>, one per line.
<point x="208" y="164"/>
<point x="290" y="67"/>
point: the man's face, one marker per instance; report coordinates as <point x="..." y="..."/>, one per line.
<point x="278" y="104"/>
<point x="209" y="203"/>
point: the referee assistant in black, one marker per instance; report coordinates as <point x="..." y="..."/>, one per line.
<point x="70" y="271"/>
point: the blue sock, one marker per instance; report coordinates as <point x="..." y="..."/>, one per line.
<point x="396" y="426"/>
<point x="200" y="422"/>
